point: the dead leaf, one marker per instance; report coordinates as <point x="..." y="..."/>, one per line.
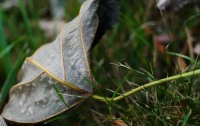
<point x="172" y="5"/>
<point x="63" y="66"/>
<point x="120" y="123"/>
<point x="182" y="65"/>
<point x="159" y="44"/>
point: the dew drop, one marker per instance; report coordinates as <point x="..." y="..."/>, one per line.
<point x="55" y="98"/>
<point x="21" y="102"/>
<point x="23" y="96"/>
<point x="42" y="77"/>
<point x="92" y="35"/>
<point x="22" y="110"/>
<point x="30" y="109"/>
<point x="43" y="106"/>
<point x="50" y="81"/>
<point x="52" y="56"/>
<point x="27" y="113"/>
<point x="44" y="100"/>
<point x="75" y="40"/>
<point x="60" y="103"/>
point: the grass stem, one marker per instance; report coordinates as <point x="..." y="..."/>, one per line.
<point x="148" y="85"/>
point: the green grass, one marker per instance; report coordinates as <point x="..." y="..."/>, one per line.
<point x="7" y="65"/>
<point x="125" y="58"/>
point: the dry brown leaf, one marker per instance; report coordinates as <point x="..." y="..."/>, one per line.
<point x="182" y="65"/>
<point x="120" y="123"/>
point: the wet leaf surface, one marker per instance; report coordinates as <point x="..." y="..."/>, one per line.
<point x="62" y="64"/>
<point x="2" y="122"/>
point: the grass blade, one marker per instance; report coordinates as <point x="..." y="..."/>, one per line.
<point x="3" y="44"/>
<point x="60" y="96"/>
<point x="181" y="55"/>
<point x="10" y="80"/>
<point x="185" y="119"/>
<point x="6" y="50"/>
<point x="27" y="24"/>
<point x="120" y="85"/>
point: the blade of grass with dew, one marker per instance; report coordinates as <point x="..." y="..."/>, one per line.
<point x="27" y="24"/>
<point x="60" y="95"/>
<point x="6" y="50"/>
<point x="10" y="80"/>
<point x="3" y="44"/>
